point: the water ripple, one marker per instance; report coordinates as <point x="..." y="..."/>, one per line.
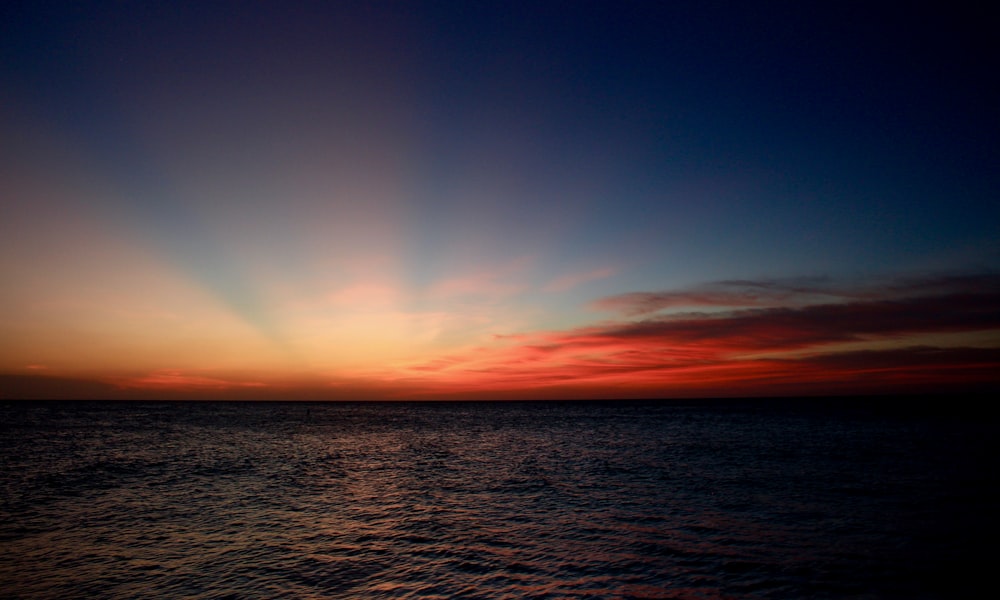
<point x="630" y="500"/>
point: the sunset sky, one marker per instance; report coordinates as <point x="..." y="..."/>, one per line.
<point x="422" y="200"/>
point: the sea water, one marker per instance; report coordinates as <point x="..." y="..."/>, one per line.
<point x="791" y="499"/>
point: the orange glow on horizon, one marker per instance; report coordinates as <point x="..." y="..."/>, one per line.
<point x="364" y="341"/>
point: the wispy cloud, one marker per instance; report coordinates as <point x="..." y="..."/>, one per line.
<point x="918" y="334"/>
<point x="572" y="280"/>
<point x="790" y="292"/>
<point x="497" y="282"/>
<point x="174" y="379"/>
<point x="365" y="295"/>
<point x="758" y="348"/>
<point x="733" y="293"/>
<point x="784" y="328"/>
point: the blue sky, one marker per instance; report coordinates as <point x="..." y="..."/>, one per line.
<point x="321" y="196"/>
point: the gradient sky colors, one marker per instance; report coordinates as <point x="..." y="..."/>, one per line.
<point x="496" y="200"/>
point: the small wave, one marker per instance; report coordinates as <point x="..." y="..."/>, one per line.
<point x="489" y="500"/>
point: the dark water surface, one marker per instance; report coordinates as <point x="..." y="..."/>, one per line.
<point x="492" y="500"/>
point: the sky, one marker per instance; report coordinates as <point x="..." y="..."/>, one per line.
<point x="444" y="200"/>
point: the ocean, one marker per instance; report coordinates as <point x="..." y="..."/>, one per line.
<point x="797" y="498"/>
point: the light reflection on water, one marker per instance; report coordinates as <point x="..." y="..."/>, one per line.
<point x="555" y="500"/>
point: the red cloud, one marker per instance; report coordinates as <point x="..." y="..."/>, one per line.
<point x="174" y="379"/>
<point x="751" y="350"/>
<point x="791" y="347"/>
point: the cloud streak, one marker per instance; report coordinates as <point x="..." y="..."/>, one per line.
<point x="733" y="293"/>
<point x="790" y="292"/>
<point x="917" y="335"/>
<point x="812" y="347"/>
<point x="568" y="282"/>
<point x="175" y="379"/>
